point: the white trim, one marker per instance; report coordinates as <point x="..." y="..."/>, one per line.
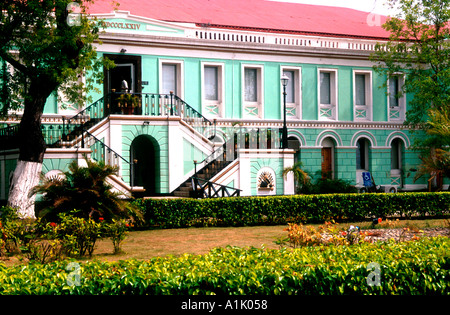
<point x="180" y="74"/>
<point x="334" y="95"/>
<point x="366" y="134"/>
<point x="329" y="133"/>
<point x="259" y="104"/>
<point x="298" y="92"/>
<point x="169" y="47"/>
<point x="401" y="100"/>
<point x="368" y="107"/>
<point x="400" y="135"/>
<point x="221" y="89"/>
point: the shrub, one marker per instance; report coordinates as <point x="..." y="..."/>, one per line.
<point x="27" y="237"/>
<point x="117" y="230"/>
<point x="78" y="235"/>
<point x="315" y="270"/>
<point x="328" y="186"/>
<point x="326" y="234"/>
<point x="241" y="211"/>
<point x="85" y="189"/>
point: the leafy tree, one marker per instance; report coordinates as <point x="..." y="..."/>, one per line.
<point x="42" y="51"/>
<point x="85" y="189"/>
<point x="436" y="162"/>
<point x="418" y="46"/>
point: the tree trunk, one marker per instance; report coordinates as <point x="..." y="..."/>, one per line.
<point x="26" y="176"/>
<point x="32" y="148"/>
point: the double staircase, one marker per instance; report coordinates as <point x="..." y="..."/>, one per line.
<point x="200" y="184"/>
<point x="77" y="132"/>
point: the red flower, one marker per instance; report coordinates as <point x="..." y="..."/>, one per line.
<point x="53" y="224"/>
<point x="379" y="220"/>
<point x="101" y="219"/>
<point x="344" y="233"/>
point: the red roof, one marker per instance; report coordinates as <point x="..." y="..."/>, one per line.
<point x="257" y="15"/>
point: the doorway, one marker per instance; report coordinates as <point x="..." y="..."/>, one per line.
<point x="327" y="168"/>
<point x="125" y="77"/>
<point x="144" y="153"/>
<point x="327" y="154"/>
<point x="121" y="78"/>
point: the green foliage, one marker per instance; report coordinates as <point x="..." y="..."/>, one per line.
<point x="8" y="214"/>
<point x="84" y="189"/>
<point x="73" y="236"/>
<point x="77" y="234"/>
<point x="420" y="48"/>
<point x="242" y="211"/>
<point x="40" y="43"/>
<point x="412" y="268"/>
<point x="117" y="230"/>
<point x="436" y="160"/>
<point x="328" y="186"/>
<point x="300" y="176"/>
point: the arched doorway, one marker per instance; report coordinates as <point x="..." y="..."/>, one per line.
<point x="328" y="161"/>
<point x="363" y="151"/>
<point x="144" y="153"/>
<point x="397" y="156"/>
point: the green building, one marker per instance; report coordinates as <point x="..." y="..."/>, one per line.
<point x="197" y="92"/>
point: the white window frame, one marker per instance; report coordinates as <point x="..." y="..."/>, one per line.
<point x="180" y="75"/>
<point x="363" y="112"/>
<point x="209" y="105"/>
<point x="328" y="111"/>
<point x="250" y="107"/>
<point x="397" y="113"/>
<point x="293" y="110"/>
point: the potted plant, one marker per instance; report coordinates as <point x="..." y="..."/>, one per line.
<point x="128" y="102"/>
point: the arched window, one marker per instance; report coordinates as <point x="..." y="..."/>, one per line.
<point x="362" y="154"/>
<point x="397" y="146"/>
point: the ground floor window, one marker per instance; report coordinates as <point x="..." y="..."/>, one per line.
<point x="362" y="154"/>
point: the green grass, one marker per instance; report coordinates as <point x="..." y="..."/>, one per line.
<point x="147" y="244"/>
<point x="152" y="243"/>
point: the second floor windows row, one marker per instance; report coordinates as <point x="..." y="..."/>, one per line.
<point x="252" y="91"/>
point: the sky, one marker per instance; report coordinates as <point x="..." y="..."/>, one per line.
<point x="373" y="6"/>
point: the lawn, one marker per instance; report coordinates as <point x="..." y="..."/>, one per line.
<point x="147" y="244"/>
<point x="152" y="243"/>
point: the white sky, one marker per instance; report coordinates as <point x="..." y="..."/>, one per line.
<point x="374" y="6"/>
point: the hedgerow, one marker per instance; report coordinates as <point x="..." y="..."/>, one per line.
<point x="419" y="267"/>
<point x="241" y="211"/>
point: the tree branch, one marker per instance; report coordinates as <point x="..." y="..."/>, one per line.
<point x="13" y="62"/>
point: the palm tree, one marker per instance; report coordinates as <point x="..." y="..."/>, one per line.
<point x="84" y="189"/>
<point x="301" y="177"/>
<point x="436" y="162"/>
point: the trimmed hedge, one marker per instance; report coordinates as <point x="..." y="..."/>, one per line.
<point x="242" y="211"/>
<point x="419" y="267"/>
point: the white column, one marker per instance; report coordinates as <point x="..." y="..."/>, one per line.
<point x="288" y="161"/>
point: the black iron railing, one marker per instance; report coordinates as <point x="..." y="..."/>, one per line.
<point x="101" y="151"/>
<point x="9" y="137"/>
<point x="206" y="189"/>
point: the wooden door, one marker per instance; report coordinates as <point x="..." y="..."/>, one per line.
<point x="326" y="163"/>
